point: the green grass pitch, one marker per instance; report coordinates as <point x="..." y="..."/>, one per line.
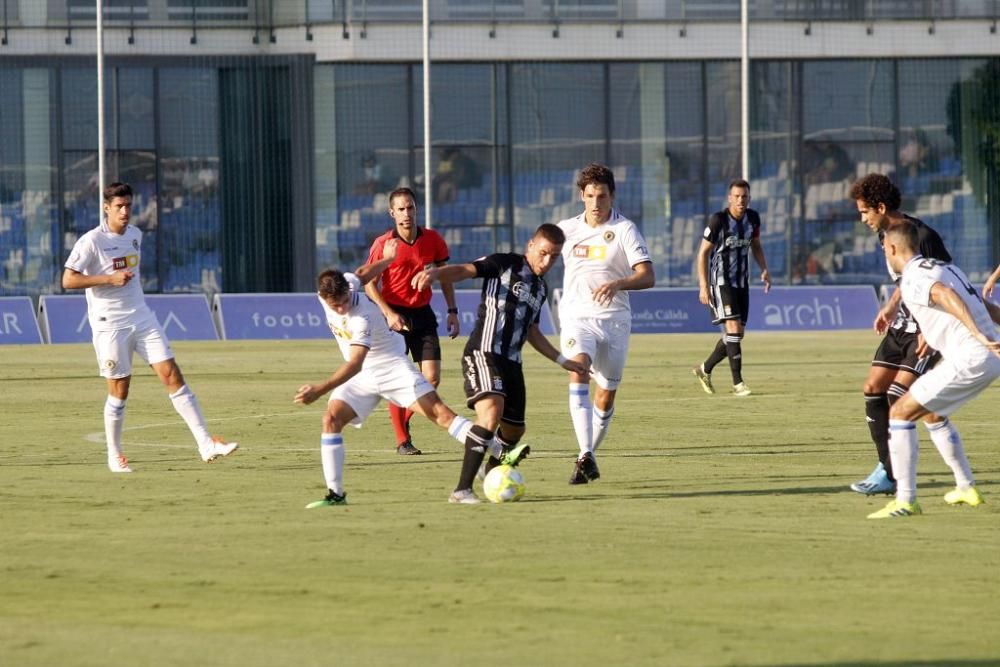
<point x="722" y="531"/>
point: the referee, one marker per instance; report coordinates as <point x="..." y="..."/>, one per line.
<point x="407" y="310"/>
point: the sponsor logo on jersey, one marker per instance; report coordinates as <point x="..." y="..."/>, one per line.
<point x="590" y="251"/>
<point x="523" y="292"/>
<point x="735" y="242"/>
<point x="126" y="262"/>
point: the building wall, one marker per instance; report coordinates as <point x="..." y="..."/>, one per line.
<point x="256" y="163"/>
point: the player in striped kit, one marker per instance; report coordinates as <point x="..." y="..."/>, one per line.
<point x="724" y="281"/>
<point x="513" y="296"/>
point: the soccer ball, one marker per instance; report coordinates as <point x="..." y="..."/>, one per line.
<point x="503" y="484"/>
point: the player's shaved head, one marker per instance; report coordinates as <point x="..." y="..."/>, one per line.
<point x="904" y="236"/>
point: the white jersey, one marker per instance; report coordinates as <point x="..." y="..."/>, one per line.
<point x="942" y="330"/>
<point x="102" y="252"/>
<point x="364" y="325"/>
<point x="594" y="256"/>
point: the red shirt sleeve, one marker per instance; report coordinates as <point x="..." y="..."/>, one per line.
<point x="375" y="254"/>
<point x="441" y="253"/>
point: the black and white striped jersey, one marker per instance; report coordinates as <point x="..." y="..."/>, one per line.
<point x="729" y="264"/>
<point x="513" y="298"/>
<point x="931" y="246"/>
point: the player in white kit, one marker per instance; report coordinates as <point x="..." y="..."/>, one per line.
<point x="105" y="262"/>
<point x="375" y="367"/>
<point x="954" y="321"/>
<point x="605" y="256"/>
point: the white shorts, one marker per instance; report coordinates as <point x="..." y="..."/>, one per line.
<point x="114" y="348"/>
<point x="402" y="385"/>
<point x="605" y="341"/>
<point x="948" y="386"/>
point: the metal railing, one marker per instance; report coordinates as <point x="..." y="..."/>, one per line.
<point x="270" y="14"/>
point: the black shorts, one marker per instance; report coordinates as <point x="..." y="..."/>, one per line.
<point x="729" y="303"/>
<point x="422" y="342"/>
<point x="899" y="350"/>
<point x="486" y="374"/>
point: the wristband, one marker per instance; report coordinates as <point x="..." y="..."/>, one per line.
<point x="561" y="360"/>
<point x="453" y="311"/>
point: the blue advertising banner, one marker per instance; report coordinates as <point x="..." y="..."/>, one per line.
<point x="669" y="311"/>
<point x="782" y="309"/>
<point x="818" y="308"/>
<point x="299" y="316"/>
<point x="288" y="316"/>
<point x="182" y="316"/>
<point x="17" y="321"/>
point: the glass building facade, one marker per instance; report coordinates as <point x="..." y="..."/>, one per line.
<point x="253" y="172"/>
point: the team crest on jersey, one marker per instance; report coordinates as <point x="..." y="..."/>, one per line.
<point x="135" y="244"/>
<point x="340" y="329"/>
<point x="497" y="384"/>
<point x="590" y="251"/>
<point x="110" y="364"/>
<point x="609" y="236"/>
<point x="728" y="310"/>
<point x="571" y="342"/>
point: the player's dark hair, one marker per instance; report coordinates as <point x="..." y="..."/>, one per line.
<point x="333" y="285"/>
<point x="738" y="183"/>
<point x="875" y="189"/>
<point x="402" y="192"/>
<point x="117" y="189"/>
<point x="905" y="234"/>
<point x="551" y="233"/>
<point x="596" y="174"/>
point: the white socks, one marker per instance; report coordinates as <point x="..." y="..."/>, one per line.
<point x="114" y="420"/>
<point x="600" y="424"/>
<point x="580" y="413"/>
<point x="949" y="445"/>
<point x="186" y="405"/>
<point x="903" y="450"/>
<point x="331" y="451"/>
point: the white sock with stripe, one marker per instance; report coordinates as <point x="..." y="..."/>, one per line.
<point x="331" y="451"/>
<point x="903" y="448"/>
<point x="459" y="429"/>
<point x="600" y="424"/>
<point x="949" y="445"/>
<point x="114" y="420"/>
<point x="581" y="413"/>
<point x="186" y="405"/>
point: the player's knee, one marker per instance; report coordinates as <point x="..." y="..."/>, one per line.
<point x="874" y="387"/>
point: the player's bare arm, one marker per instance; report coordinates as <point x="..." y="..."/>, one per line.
<point x="954" y="305"/>
<point x="537" y="340"/>
<point x="75" y="280"/>
<point x="308" y="393"/>
<point x="704" y="252"/>
<point x="991" y="282"/>
<point x="451" y="273"/>
<point x="448" y="290"/>
<point x="369" y="272"/>
<point x="887" y="313"/>
<point x="758" y="254"/>
<point x="642" y="278"/>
